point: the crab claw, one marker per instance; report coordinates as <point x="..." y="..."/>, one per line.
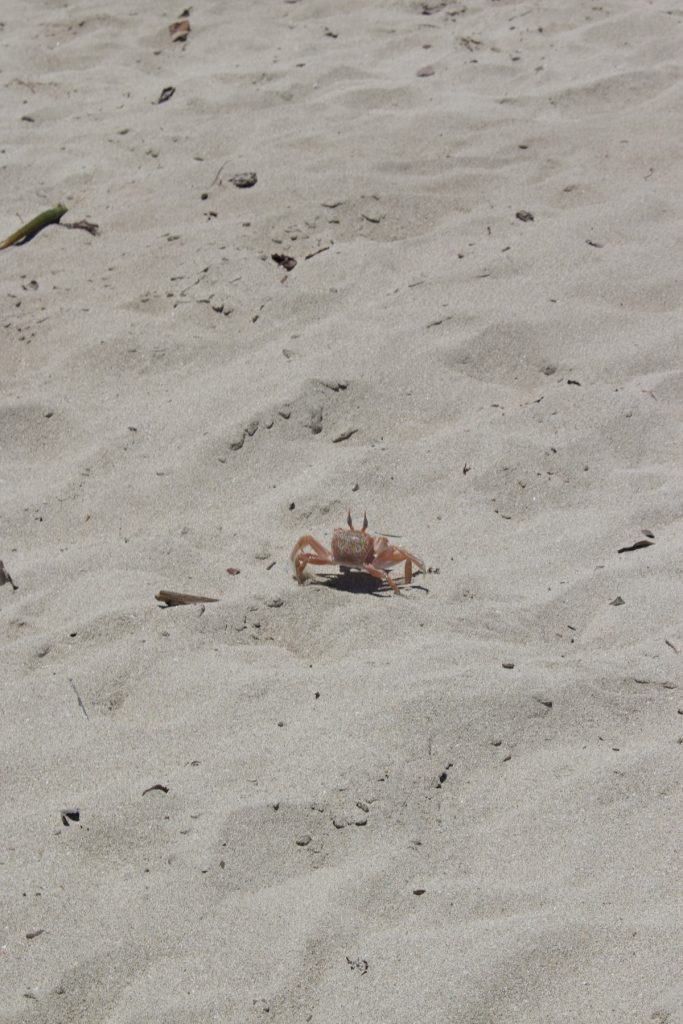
<point x="349" y="520"/>
<point x="365" y="521"/>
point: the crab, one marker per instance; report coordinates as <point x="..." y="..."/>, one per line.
<point x="355" y="549"/>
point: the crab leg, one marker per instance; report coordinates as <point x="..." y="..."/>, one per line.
<point x="307" y="558"/>
<point x="310" y="542"/>
<point x="320" y="555"/>
<point x="380" y="575"/>
<point x="387" y="555"/>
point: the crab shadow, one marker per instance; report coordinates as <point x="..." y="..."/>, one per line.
<point x="362" y="583"/>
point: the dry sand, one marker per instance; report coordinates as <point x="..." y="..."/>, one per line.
<point x="368" y="817"/>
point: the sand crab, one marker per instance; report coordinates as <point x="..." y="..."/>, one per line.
<point x="355" y="549"/>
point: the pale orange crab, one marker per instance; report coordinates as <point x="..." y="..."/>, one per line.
<point x="355" y="549"/>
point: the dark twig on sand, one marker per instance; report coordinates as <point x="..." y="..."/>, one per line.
<point x="172" y="597"/>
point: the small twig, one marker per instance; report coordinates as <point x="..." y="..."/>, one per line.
<point x="27" y="231"/>
<point x="218" y="174"/>
<point x="635" y="547"/>
<point x="317" y="252"/>
<point x="345" y="435"/>
<point x="83" y="225"/>
<point x="172" y="597"/>
<point x="78" y="698"/>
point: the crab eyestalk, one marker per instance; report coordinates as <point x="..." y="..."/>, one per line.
<point x="365" y="522"/>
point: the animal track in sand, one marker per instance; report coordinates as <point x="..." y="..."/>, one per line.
<point x="307" y="414"/>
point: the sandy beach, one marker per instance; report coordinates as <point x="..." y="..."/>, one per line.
<point x="414" y="258"/>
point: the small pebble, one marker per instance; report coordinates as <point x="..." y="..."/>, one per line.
<point x="304" y="840"/>
<point x="247" y="179"/>
<point x="508" y="664"/>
